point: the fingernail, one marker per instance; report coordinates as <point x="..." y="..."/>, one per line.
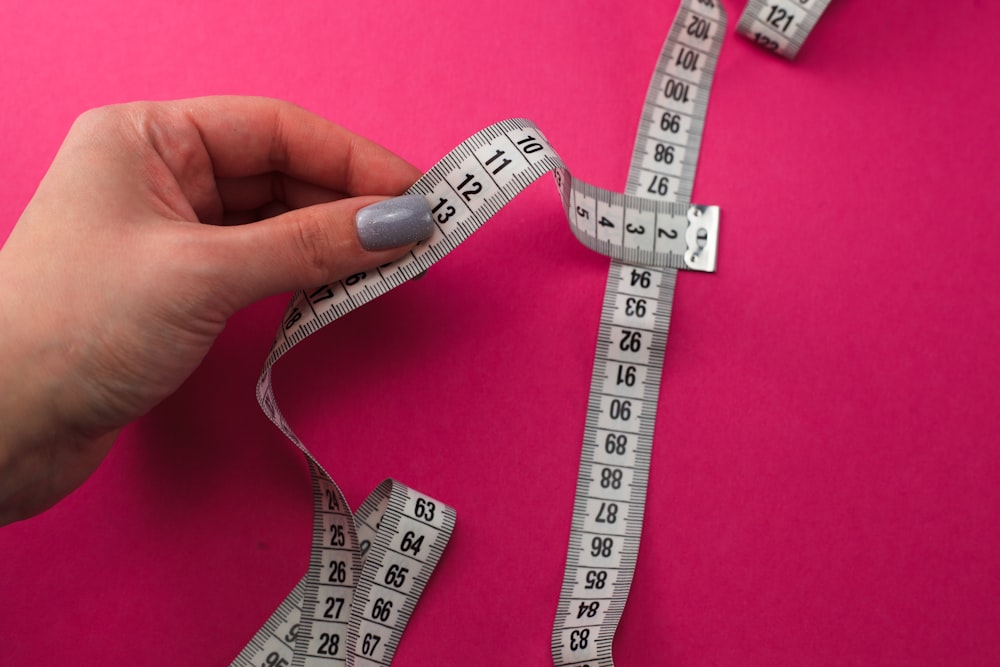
<point x="394" y="222"/>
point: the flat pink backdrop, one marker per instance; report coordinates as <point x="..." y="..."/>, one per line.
<point x="824" y="487"/>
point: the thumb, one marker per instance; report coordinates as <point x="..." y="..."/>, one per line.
<point x="318" y="244"/>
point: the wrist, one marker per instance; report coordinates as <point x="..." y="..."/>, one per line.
<point x="42" y="455"/>
<point x="42" y="459"/>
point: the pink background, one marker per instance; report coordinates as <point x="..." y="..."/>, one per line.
<point x="824" y="487"/>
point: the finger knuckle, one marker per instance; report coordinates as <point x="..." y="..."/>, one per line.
<point x="314" y="248"/>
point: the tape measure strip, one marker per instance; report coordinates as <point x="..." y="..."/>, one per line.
<point x="635" y="318"/>
<point x="334" y="567"/>
<point x="614" y="465"/>
<point x="780" y="26"/>
<point x="409" y="539"/>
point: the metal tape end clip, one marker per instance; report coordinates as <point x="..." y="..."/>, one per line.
<point x="702" y="237"/>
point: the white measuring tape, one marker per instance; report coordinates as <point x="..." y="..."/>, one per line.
<point x="618" y="437"/>
<point x="780" y="26"/>
<point x="368" y="569"/>
<point x="394" y="540"/>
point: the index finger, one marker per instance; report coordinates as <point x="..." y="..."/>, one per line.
<point x="247" y="136"/>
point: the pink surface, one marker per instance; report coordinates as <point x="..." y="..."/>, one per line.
<point x="824" y="487"/>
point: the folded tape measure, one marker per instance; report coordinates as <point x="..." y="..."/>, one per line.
<point x="368" y="568"/>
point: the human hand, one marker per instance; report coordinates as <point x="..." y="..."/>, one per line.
<point x="135" y="250"/>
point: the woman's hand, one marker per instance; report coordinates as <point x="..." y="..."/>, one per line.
<point x="136" y="248"/>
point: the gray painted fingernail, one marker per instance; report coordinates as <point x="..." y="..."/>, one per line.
<point x="394" y="222"/>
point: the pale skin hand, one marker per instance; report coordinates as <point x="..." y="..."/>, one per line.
<point x="135" y="250"/>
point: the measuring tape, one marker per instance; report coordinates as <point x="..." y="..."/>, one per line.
<point x="618" y="438"/>
<point x="780" y="26"/>
<point x="394" y="540"/>
<point x="367" y="569"/>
